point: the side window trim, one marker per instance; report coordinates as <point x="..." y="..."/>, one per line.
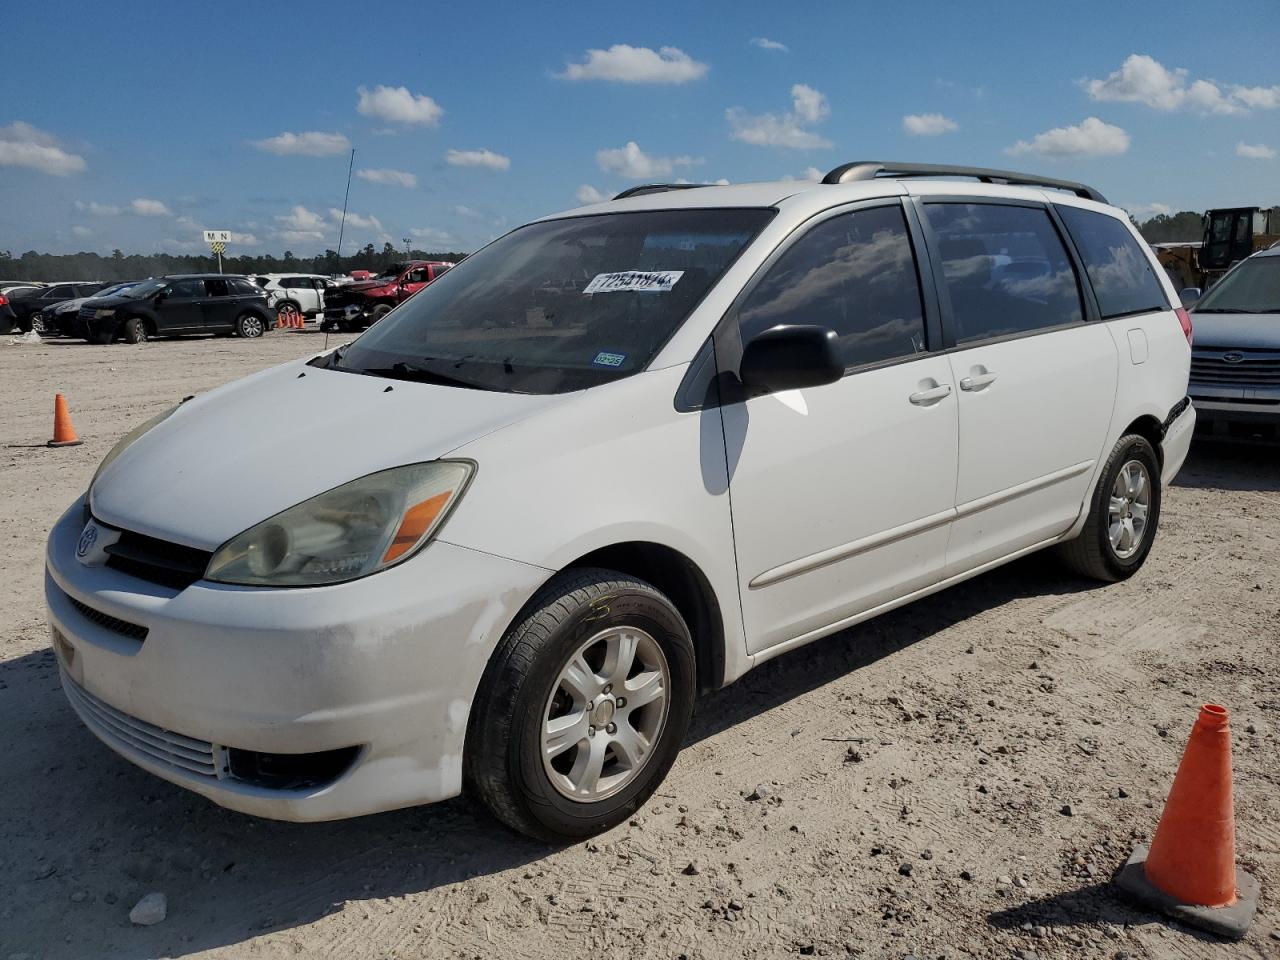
<point x="933" y="247"/>
<point x="728" y="343"/>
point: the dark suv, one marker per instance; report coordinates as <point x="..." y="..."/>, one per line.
<point x="20" y="309"/>
<point x="172" y="306"/>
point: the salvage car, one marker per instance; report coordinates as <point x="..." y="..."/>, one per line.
<point x="294" y="295"/>
<point x="619" y="456"/>
<point x="61" y="319"/>
<point x="356" y="305"/>
<point x="177" y="305"/>
<point x="21" y="307"/>
<point x="1235" y="366"/>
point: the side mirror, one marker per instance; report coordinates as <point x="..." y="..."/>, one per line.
<point x="1189" y="296"/>
<point x="789" y="357"/>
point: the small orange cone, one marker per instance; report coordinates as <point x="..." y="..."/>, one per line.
<point x="1190" y="870"/>
<point x="64" y="434"/>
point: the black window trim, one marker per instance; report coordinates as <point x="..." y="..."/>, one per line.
<point x="728" y="345"/>
<point x="1078" y="254"/>
<point x="1089" y="307"/>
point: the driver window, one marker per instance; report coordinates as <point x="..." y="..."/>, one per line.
<point x="854" y="273"/>
<point x="417" y="276"/>
<point x="186" y="289"/>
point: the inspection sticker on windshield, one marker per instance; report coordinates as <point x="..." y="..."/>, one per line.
<point x="652" y="281"/>
<point x="609" y="359"/>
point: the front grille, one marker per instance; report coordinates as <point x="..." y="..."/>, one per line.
<point x="123" y="627"/>
<point x="130" y="736"/>
<point x="157" y="561"/>
<point x="86" y="313"/>
<point x="1255" y="368"/>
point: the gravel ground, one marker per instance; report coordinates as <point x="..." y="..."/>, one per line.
<point x="960" y="777"/>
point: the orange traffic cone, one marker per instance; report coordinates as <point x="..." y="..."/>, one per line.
<point x="64" y="434"/>
<point x="1190" y="870"/>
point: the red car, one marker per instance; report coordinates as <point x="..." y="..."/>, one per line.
<point x="361" y="304"/>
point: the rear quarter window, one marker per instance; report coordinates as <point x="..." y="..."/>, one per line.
<point x="1119" y="270"/>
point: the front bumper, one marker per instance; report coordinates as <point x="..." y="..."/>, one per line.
<point x="387" y="665"/>
<point x="1237" y="412"/>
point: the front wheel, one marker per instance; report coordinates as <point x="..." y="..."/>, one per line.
<point x="135" y="330"/>
<point x="249" y="326"/>
<point x="583" y="708"/>
<point x="1123" y="516"/>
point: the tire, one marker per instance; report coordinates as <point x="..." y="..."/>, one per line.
<point x="586" y="616"/>
<point x="250" y="326"/>
<point x="134" y="330"/>
<point x="380" y="311"/>
<point x="1096" y="553"/>
<point x="287" y="311"/>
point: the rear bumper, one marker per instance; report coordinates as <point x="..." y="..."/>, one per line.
<point x="1177" y="443"/>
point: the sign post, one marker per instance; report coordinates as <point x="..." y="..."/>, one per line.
<point x="217" y="241"/>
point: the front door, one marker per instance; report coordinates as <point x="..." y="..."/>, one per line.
<point x="180" y="310"/>
<point x="842" y="495"/>
<point x="1036" y="382"/>
<point x="219" y="305"/>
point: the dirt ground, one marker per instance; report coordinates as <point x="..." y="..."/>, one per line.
<point x="960" y="777"/>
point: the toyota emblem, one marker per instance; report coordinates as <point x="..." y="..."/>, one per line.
<point x="1233" y="357"/>
<point x="87" y="539"/>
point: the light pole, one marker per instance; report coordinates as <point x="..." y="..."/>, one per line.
<point x="406" y="245"/>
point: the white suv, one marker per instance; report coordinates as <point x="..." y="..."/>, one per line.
<point x="295" y="294"/>
<point x="618" y="456"/>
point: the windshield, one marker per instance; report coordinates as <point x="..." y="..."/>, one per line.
<point x="559" y="305"/>
<point x="392" y="272"/>
<point x="1252" y="287"/>
<point x="145" y="289"/>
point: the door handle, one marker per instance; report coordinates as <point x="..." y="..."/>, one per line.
<point x="979" y="382"/>
<point x="925" y="398"/>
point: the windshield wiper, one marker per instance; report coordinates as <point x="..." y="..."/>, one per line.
<point x="1232" y="310"/>
<point x="409" y="371"/>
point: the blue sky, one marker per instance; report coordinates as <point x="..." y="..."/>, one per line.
<point x="136" y="125"/>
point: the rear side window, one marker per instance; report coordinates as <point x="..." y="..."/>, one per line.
<point x="1005" y="270"/>
<point x="1118" y="269"/>
<point x="243" y="288"/>
<point x="854" y="273"/>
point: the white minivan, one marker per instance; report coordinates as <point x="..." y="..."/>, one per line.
<point x="619" y="456"/>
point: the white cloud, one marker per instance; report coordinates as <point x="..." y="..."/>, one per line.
<point x="357" y="221"/>
<point x="80" y="231"/>
<point x="1145" y="211"/>
<point x="312" y="143"/>
<point x="464" y="211"/>
<point x="764" y="43"/>
<point x="389" y="178"/>
<point x="98" y="209"/>
<point x="477" y="158"/>
<point x="634" y="164"/>
<point x="149" y="208"/>
<point x="1255" y="151"/>
<point x="398" y="105"/>
<point x="1089" y="138"/>
<point x="1143" y="79"/>
<point x="928" y="124"/>
<point x="809" y="106"/>
<point x="300" y="225"/>
<point x="589" y="194"/>
<point x="810" y="173"/>
<point x="22" y="145"/>
<point x="431" y="235"/>
<point x="626" y="64"/>
<point x="244" y="239"/>
<point x="1258" y="98"/>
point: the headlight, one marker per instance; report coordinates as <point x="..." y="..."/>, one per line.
<point x="129" y="437"/>
<point x="103" y="314"/>
<point x="350" y="531"/>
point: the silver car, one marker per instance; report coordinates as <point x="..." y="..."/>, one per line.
<point x="1235" y="363"/>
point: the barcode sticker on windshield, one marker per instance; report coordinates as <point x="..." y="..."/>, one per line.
<point x="652" y="281"/>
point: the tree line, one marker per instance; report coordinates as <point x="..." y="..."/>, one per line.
<point x="1163" y="228"/>
<point x="120" y="266"/>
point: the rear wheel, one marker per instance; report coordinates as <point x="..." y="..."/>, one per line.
<point x="250" y="326"/>
<point x="1123" y="516"/>
<point x="583" y="707"/>
<point x="135" y="330"/>
<point x="288" y="313"/>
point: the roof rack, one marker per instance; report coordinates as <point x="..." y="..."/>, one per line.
<point x="870" y="169"/>
<point x="644" y="188"/>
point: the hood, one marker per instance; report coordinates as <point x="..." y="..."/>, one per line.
<point x="71" y="306"/>
<point x="1232" y="331"/>
<point x="359" y="286"/>
<point x="116" y="300"/>
<point x="242" y="453"/>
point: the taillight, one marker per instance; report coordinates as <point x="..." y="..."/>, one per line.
<point x="1184" y="318"/>
<point x="3" y="300"/>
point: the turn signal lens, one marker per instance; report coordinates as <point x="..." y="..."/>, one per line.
<point x="417" y="521"/>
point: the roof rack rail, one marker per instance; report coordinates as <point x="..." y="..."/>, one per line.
<point x="645" y="188"/>
<point x="870" y="169"/>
